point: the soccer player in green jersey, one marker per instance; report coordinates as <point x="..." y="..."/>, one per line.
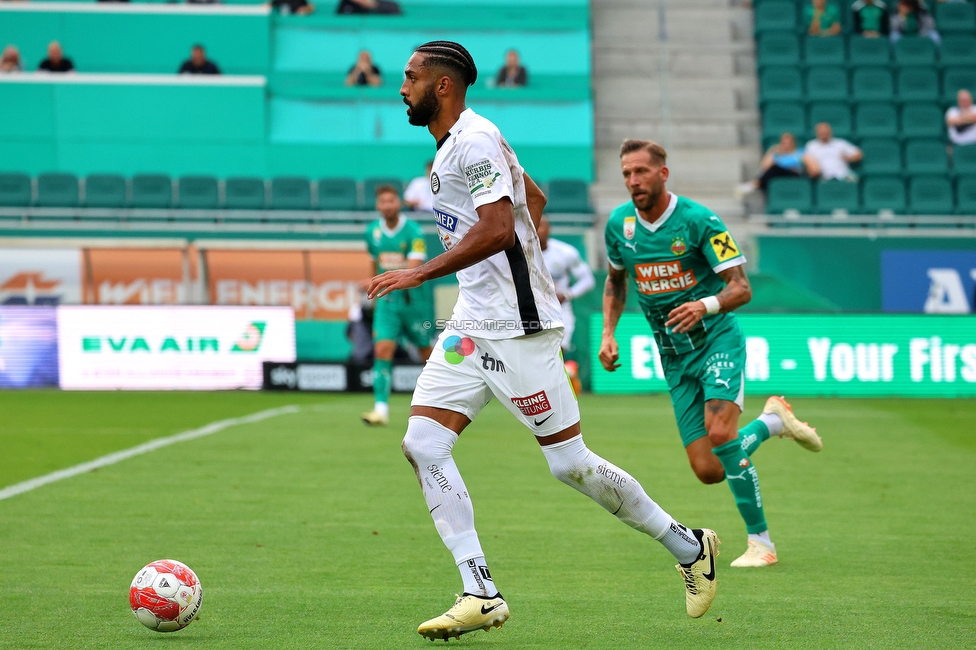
<point x="689" y="277"/>
<point x="395" y="242"/>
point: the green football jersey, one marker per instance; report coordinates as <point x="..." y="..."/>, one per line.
<point x="674" y="260"/>
<point x="391" y="249"/>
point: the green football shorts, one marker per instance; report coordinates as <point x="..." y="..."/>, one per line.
<point x="714" y="371"/>
<point x="393" y="319"/>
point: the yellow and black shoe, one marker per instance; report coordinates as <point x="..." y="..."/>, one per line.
<point x="699" y="576"/>
<point x="468" y="614"/>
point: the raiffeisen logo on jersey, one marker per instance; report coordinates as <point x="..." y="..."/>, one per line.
<point x="249" y="341"/>
<point x="663" y="277"/>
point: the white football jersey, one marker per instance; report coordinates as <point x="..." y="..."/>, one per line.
<point x="570" y="274"/>
<point x="510" y="294"/>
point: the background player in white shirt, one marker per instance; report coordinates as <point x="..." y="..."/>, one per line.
<point x="503" y="341"/>
<point x="570" y="273"/>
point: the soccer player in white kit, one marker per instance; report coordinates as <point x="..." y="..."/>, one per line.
<point x="502" y="341"/>
<point x="570" y="274"/>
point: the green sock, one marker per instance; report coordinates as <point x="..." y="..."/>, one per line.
<point x="743" y="480"/>
<point x="381" y="379"/>
<point x="752" y="435"/>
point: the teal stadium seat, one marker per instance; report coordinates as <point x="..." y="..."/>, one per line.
<point x="869" y="51"/>
<point x="955" y="79"/>
<point x="922" y="120"/>
<point x="244" y="194"/>
<point x="926" y="156"/>
<point x="568" y="195"/>
<point x="783" y="117"/>
<point x="869" y="84"/>
<point x="338" y="194"/>
<point x="198" y="193"/>
<point x="105" y="191"/>
<point x="789" y="194"/>
<point x="836" y="196"/>
<point x="776" y="17"/>
<point x="15" y="189"/>
<point x="57" y="190"/>
<point x="876" y="120"/>
<point x="964" y="160"/>
<point x="780" y="83"/>
<point x="918" y="84"/>
<point x="152" y="191"/>
<point x="827" y="83"/>
<point x="966" y="195"/>
<point x="369" y="189"/>
<point x="291" y="193"/>
<point x="837" y="114"/>
<point x="930" y="195"/>
<point x="778" y="49"/>
<point x="958" y="49"/>
<point x="955" y="17"/>
<point x="824" y="51"/>
<point x="882" y="156"/>
<point x="883" y="194"/>
<point x="915" y="50"/>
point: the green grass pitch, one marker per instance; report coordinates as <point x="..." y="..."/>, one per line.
<point x="308" y="530"/>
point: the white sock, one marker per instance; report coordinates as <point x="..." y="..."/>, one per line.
<point x="764" y="538"/>
<point x="620" y="494"/>
<point x="477" y="578"/>
<point x="773" y="422"/>
<point x="382" y="408"/>
<point x="427" y="446"/>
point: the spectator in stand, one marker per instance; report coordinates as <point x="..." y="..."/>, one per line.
<point x="56" y="61"/>
<point x="198" y="63"/>
<point x="10" y="60"/>
<point x="912" y="19"/>
<point x="368" y="7"/>
<point x="364" y="72"/>
<point x="822" y="19"/>
<point x="961" y="120"/>
<point x="298" y="7"/>
<point x="418" y="194"/>
<point x="513" y="73"/>
<point x="870" y="18"/>
<point x="829" y="158"/>
<point x="781" y="159"/>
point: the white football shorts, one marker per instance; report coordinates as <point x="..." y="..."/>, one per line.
<point x="526" y="374"/>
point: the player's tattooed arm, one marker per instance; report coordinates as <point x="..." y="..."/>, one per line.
<point x="736" y="293"/>
<point x="535" y="199"/>
<point x="614" y="299"/>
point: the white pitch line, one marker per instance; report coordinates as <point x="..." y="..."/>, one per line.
<point x="146" y="447"/>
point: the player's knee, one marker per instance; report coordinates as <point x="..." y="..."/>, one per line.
<point x="719" y="434"/>
<point x="709" y="475"/>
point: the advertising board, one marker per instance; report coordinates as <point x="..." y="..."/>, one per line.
<point x="139" y="276"/>
<point x="933" y="282"/>
<point x="40" y="276"/>
<point x="28" y="347"/>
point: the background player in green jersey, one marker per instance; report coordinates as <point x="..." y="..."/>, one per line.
<point x="395" y="242"/>
<point x="689" y="276"/>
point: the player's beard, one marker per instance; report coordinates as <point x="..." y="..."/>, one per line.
<point x="651" y="198"/>
<point x="424" y="110"/>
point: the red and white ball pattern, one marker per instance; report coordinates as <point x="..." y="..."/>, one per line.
<point x="165" y="595"/>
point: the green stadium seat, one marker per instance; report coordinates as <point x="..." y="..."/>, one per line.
<point x="291" y="193"/>
<point x="966" y="195"/>
<point x="964" y="160"/>
<point x="922" y="120"/>
<point x="783" y="117"/>
<point x="926" y="156"/>
<point x="955" y="17"/>
<point x="872" y="84"/>
<point x="369" y="189"/>
<point x="826" y="83"/>
<point x="780" y="83"/>
<point x="568" y="195"/>
<point x="881" y="194"/>
<point x="338" y="194"/>
<point x="152" y="191"/>
<point x="837" y="114"/>
<point x="869" y="51"/>
<point x="918" y="84"/>
<point x="15" y="189"/>
<point x="198" y="193"/>
<point x="824" y="51"/>
<point x="105" y="191"/>
<point x="955" y="79"/>
<point x="958" y="49"/>
<point x="876" y="120"/>
<point x="837" y="196"/>
<point x="244" y="194"/>
<point x="57" y="190"/>
<point x="930" y="195"/>
<point x="776" y="17"/>
<point x="789" y="194"/>
<point x="915" y="50"/>
<point x="778" y="48"/>
<point x="882" y="157"/>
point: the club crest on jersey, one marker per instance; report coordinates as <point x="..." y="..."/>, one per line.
<point x="678" y="246"/>
<point x="630" y="227"/>
<point x="377" y="235"/>
<point x="435" y="183"/>
<point x="445" y="221"/>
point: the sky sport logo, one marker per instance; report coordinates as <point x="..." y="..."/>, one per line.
<point x="249" y="341"/>
<point x="456" y="348"/>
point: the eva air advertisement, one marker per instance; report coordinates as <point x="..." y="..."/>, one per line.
<point x="821" y="355"/>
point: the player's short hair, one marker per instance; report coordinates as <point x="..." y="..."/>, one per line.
<point x="452" y="56"/>
<point x="658" y="155"/>
<point x="386" y="189"/>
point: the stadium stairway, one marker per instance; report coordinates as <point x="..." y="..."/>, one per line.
<point x="686" y="81"/>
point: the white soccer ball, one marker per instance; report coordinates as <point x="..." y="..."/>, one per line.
<point x="165" y="595"/>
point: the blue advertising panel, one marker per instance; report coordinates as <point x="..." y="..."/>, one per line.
<point x="931" y="282"/>
<point x="28" y="347"/>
